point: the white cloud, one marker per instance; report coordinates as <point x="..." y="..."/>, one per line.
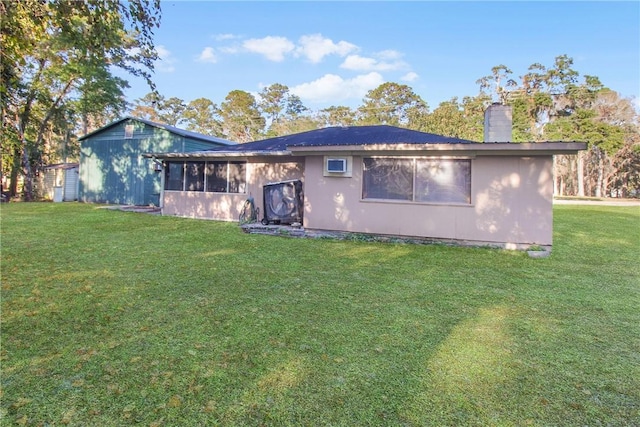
<point x="223" y="37"/>
<point x="358" y="63"/>
<point x="166" y="61"/>
<point x="229" y="50"/>
<point x="410" y="77"/>
<point x="315" y="47"/>
<point x="273" y="48"/>
<point x="389" y="60"/>
<point x="333" y="88"/>
<point x="389" y="55"/>
<point x="208" y="55"/>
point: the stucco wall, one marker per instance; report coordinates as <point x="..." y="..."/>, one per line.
<point x="511" y="204"/>
<point x="225" y="206"/>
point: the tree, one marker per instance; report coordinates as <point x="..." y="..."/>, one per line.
<point x="57" y="56"/>
<point x="242" y="121"/>
<point x="626" y="181"/>
<point x="148" y="107"/>
<point x="337" y="116"/>
<point x="172" y="111"/>
<point x="279" y="106"/>
<point x="498" y="84"/>
<point x="203" y="116"/>
<point x="157" y="108"/>
<point x="293" y="125"/>
<point x="392" y="104"/>
<point x="447" y="119"/>
<point x="273" y="101"/>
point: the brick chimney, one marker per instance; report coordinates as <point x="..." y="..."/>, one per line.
<point x="498" y="123"/>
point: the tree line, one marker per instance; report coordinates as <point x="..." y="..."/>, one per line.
<point x="56" y="63"/>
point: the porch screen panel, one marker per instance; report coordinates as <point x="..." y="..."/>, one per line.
<point x="443" y="181"/>
<point x="217" y="177"/>
<point x="194" y="176"/>
<point x="174" y="175"/>
<point x="237" y="177"/>
<point x="388" y="179"/>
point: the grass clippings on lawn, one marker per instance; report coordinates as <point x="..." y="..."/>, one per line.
<point x="117" y="318"/>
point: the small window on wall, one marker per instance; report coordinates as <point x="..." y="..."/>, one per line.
<point x="128" y="131"/>
<point x="174" y="176"/>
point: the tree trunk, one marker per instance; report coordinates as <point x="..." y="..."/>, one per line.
<point x="15" y="172"/>
<point x="27" y="172"/>
<point x="600" y="176"/>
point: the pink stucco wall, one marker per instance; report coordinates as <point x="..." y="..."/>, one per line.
<point x="511" y="204"/>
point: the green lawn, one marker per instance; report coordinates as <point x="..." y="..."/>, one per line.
<point x="116" y="318"/>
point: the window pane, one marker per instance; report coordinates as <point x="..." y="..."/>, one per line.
<point x="237" y="177"/>
<point x="388" y="179"/>
<point x="173" y="176"/>
<point x="194" y="177"/>
<point x="128" y="132"/>
<point x="217" y="177"/>
<point x="443" y="181"/>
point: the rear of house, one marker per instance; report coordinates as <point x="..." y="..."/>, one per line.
<point x="113" y="170"/>
<point x="380" y="180"/>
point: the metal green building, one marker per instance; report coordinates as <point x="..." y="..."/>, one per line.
<point x="113" y="170"/>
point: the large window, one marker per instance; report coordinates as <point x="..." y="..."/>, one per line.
<point x="417" y="180"/>
<point x="217" y="177"/>
<point x="388" y="179"/>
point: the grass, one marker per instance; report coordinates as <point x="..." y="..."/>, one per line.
<point x="116" y="318"/>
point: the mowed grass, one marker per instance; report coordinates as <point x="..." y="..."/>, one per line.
<point x="113" y="318"/>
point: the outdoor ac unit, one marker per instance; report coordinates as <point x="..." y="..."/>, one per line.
<point x="336" y="165"/>
<point x="283" y="202"/>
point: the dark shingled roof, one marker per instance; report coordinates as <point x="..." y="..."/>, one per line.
<point x="350" y="135"/>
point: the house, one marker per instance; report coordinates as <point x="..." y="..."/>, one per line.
<point x="59" y="182"/>
<point x="382" y="180"/>
<point x="112" y="169"/>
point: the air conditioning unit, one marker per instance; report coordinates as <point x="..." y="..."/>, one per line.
<point x="283" y="202"/>
<point x="336" y="165"/>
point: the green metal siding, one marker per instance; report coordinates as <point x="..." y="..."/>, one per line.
<point x="112" y="169"/>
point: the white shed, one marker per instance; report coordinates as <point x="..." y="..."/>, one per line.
<point x="60" y="182"/>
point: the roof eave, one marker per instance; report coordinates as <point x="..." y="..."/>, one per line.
<point x="215" y="154"/>
<point x="540" y="149"/>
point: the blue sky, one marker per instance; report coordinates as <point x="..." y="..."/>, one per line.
<point x="332" y="53"/>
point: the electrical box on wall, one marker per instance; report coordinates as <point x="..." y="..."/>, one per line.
<point x="339" y="166"/>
